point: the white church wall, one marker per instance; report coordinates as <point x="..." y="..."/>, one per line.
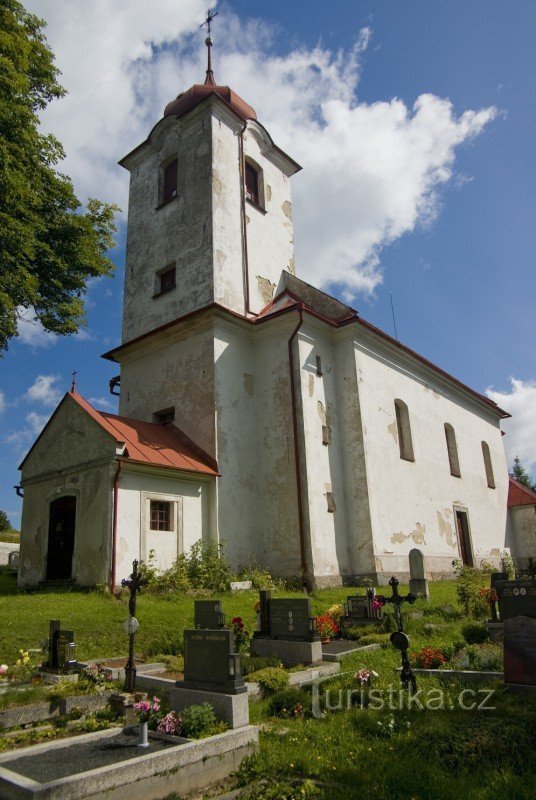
<point x="521" y="534"/>
<point x="179" y="232"/>
<point x="174" y="372"/>
<point x="191" y="519"/>
<point x="92" y="488"/>
<point x="328" y="529"/>
<point x="412" y="503"/>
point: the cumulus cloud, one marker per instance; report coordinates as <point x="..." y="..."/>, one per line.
<point x="36" y="423"/>
<point x="31" y="332"/>
<point x="44" y="390"/>
<point x="103" y="404"/>
<point x="372" y="171"/>
<point x="520" y="439"/>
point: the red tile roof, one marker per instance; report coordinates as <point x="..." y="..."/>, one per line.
<point x="151" y="442"/>
<point x="520" y="495"/>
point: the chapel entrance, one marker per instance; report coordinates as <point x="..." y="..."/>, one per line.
<point x="462" y="529"/>
<point x="61" y="527"/>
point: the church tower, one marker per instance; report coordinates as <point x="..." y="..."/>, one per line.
<point x="209" y="211"/>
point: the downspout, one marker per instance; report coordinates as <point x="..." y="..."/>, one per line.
<point x="245" y="258"/>
<point x="114" y="524"/>
<point x="304" y="574"/>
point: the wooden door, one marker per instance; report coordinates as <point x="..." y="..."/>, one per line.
<point x="61" y="528"/>
<point x="462" y="529"/>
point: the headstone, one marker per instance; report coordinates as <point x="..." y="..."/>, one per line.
<point x="418" y="585"/>
<point x="264" y="612"/>
<point x="516" y="598"/>
<point x="361" y="610"/>
<point x="13" y="560"/>
<point x="208" y="614"/>
<point x="287" y="630"/>
<point x="497" y="576"/>
<point x="210" y="663"/>
<point x="520" y="651"/>
<point x="53" y="630"/>
<point x="291" y="619"/>
<point x="61" y="649"/>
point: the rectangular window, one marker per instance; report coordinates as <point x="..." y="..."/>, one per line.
<point x="167" y="280"/>
<point x="252" y="184"/>
<point x="170" y="182"/>
<point x="160" y="516"/>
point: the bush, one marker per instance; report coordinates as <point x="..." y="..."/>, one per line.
<point x="473" y="633"/>
<point x="356" y="632"/>
<point x="256" y="663"/>
<point x="270" y="679"/>
<point x="290" y="702"/>
<point x="259" y="577"/>
<point x="375" y="638"/>
<point x="468" y="585"/>
<point x="429" y="658"/>
<point x="200" y="721"/>
<point x="487" y="657"/>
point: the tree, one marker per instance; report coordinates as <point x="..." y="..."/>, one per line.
<point x="519" y="473"/>
<point x="49" y="245"/>
<point x="5" y="524"/>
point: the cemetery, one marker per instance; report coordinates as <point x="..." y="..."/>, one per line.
<point x="270" y="693"/>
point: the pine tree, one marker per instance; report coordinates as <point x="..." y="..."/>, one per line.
<point x="5" y="524"/>
<point x="520" y="474"/>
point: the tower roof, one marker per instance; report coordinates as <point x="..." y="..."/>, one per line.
<point x="195" y="95"/>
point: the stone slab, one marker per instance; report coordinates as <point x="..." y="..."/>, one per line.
<point x="240" y="586"/>
<point x="53" y="678"/>
<point x="301" y="678"/>
<point x="40" y="712"/>
<point x="232" y="709"/>
<point x="185" y="767"/>
<point x="118" y="673"/>
<point x="290" y="652"/>
<point x="346" y="649"/>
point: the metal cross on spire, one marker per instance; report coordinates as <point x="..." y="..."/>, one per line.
<point x="209" y="43"/>
<point x="73" y="384"/>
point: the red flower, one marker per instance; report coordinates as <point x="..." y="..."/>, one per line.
<point x="238" y="622"/>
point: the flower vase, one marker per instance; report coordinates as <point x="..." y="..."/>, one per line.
<point x="144" y="735"/>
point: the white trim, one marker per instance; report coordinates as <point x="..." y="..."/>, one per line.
<point x="176" y="519"/>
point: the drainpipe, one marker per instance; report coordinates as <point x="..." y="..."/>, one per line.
<point x="245" y="259"/>
<point x="304" y="574"/>
<point x="114" y="524"/>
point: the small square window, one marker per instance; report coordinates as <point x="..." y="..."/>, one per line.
<point x="165" y="416"/>
<point x="167" y="280"/>
<point x="160" y="515"/>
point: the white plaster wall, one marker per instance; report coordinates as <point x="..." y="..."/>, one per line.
<point x="412" y="503"/>
<point x="174" y="372"/>
<point x="133" y="537"/>
<point x="521" y="534"/>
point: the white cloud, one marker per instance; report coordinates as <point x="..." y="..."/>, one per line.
<point x="2" y="402"/>
<point x="31" y="332"/>
<point x="372" y="171"/>
<point x="103" y="404"/>
<point x="520" y="439"/>
<point x="36" y="423"/>
<point x="43" y="390"/>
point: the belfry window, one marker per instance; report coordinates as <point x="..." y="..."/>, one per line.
<point x="404" y="431"/>
<point x="252" y="184"/>
<point x="166" y="280"/>
<point x="452" y="450"/>
<point x="169" y="188"/>
<point x="488" y="465"/>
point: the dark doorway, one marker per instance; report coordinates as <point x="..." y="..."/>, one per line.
<point x="462" y="529"/>
<point x="61" y="527"/>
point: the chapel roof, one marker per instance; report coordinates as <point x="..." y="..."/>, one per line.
<point x="520" y="495"/>
<point x="148" y="443"/>
<point x="195" y="95"/>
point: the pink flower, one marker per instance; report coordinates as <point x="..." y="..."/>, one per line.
<point x="377" y="603"/>
<point x="3" y="669"/>
<point x="144" y="706"/>
<point x="170" y="724"/>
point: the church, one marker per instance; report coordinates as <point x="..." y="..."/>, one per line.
<point x="255" y="410"/>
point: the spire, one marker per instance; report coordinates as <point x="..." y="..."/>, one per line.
<point x="73" y="384"/>
<point x="208" y="41"/>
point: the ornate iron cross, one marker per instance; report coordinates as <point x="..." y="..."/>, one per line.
<point x="399" y="639"/>
<point x="134" y="585"/>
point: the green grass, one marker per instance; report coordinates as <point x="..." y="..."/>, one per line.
<point x="10" y="536"/>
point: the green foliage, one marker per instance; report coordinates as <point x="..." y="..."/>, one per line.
<point x="256" y="663"/>
<point x="259" y="577"/>
<point x="284" y="790"/>
<point x="10" y="536"/>
<point x="270" y="679"/>
<point x="204" y="567"/>
<point x="49" y="247"/>
<point x="468" y="584"/>
<point x="5" y="524"/>
<point x="473" y="633"/>
<point x="200" y="721"/>
<point x="290" y="702"/>
<point x="521" y="475"/>
<point x="487" y="657"/>
<point x="375" y="638"/>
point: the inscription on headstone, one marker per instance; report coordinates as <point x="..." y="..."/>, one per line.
<point x="418" y="585"/>
<point x="208" y="614"/>
<point x="516" y="598"/>
<point x="210" y="662"/>
<point x="290" y="618"/>
<point x="520" y="651"/>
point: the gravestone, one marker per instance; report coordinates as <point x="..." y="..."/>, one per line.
<point x="520" y="651"/>
<point x="208" y="614"/>
<point x="418" y="585"/>
<point x="516" y="598"/>
<point x="497" y="576"/>
<point x="287" y="630"/>
<point x="360" y="610"/>
<point x="61" y="650"/>
<point x="210" y="663"/>
<point x="13" y="560"/>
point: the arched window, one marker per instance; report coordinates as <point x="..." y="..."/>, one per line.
<point x="404" y="431"/>
<point x="452" y="450"/>
<point x="253" y="184"/>
<point x="169" y="182"/>
<point x="488" y="465"/>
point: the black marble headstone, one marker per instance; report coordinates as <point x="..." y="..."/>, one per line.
<point x="290" y="618"/>
<point x="210" y="663"/>
<point x="516" y="598"/>
<point x="520" y="651"/>
<point x="208" y="614"/>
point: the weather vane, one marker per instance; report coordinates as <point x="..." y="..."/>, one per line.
<point x="209" y="43"/>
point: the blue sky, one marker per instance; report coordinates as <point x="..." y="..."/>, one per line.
<point x="451" y="236"/>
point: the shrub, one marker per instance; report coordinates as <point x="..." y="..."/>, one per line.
<point x="290" y="702"/>
<point x="199" y="721"/>
<point x="468" y="585"/>
<point x="256" y="663"/>
<point x="375" y="638"/>
<point x="259" y="577"/>
<point x="429" y="658"/>
<point x="270" y="679"/>
<point x="487" y="657"/>
<point x="473" y="633"/>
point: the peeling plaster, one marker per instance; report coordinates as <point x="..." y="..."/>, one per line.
<point x="321" y="412"/>
<point x="267" y="193"/>
<point x="266" y="289"/>
<point x="445" y="529"/>
<point x="417" y="535"/>
<point x="311" y="384"/>
<point x="287" y="209"/>
<point x="392" y="428"/>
